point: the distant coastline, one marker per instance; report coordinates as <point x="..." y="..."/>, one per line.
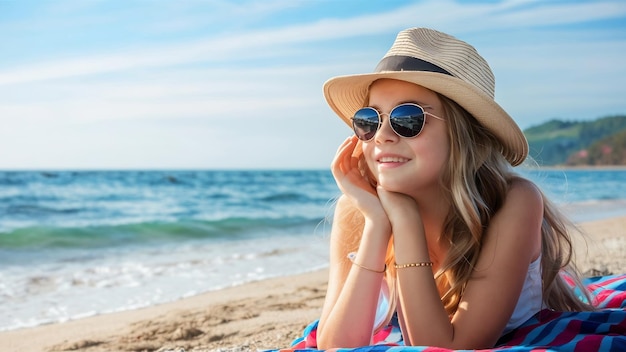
<point x="598" y="142"/>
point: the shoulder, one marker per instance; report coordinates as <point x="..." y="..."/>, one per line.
<point x="520" y="184"/>
<point x="523" y="193"/>
<point x="519" y="220"/>
<point x="523" y="202"/>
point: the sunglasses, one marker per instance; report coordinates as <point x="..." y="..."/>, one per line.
<point x="406" y="120"/>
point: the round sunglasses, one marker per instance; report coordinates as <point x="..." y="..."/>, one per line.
<point x="407" y="120"/>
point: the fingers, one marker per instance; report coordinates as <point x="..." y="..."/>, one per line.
<point x="389" y="196"/>
<point x="343" y="161"/>
<point x="345" y="169"/>
<point x="398" y="206"/>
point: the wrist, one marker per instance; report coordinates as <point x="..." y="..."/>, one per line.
<point x="406" y="223"/>
<point x="381" y="227"/>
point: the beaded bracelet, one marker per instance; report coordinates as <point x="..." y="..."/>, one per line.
<point x="413" y="265"/>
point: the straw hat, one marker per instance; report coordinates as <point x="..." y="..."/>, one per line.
<point x="443" y="64"/>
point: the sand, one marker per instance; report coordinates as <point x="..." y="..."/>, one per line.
<point x="260" y="315"/>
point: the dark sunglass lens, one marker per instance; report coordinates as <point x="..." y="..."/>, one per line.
<point x="365" y="123"/>
<point x="407" y="120"/>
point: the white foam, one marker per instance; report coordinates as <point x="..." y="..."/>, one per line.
<point x="138" y="277"/>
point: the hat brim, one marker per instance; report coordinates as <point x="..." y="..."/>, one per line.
<point x="347" y="94"/>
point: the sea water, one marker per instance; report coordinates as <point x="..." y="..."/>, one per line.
<point x="81" y="243"/>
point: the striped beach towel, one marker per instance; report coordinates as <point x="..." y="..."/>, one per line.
<point x="602" y="330"/>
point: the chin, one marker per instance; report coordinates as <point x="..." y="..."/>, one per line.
<point x="392" y="184"/>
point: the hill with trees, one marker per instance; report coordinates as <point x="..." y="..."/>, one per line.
<point x="598" y="142"/>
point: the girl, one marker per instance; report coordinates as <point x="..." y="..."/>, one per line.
<point x="434" y="228"/>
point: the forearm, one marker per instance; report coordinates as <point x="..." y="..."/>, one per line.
<point x="355" y="304"/>
<point x="425" y="319"/>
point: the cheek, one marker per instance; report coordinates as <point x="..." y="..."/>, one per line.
<point x="443" y="156"/>
<point x="439" y="154"/>
<point x="438" y="149"/>
<point x="444" y="148"/>
<point x="435" y="144"/>
<point x="432" y="154"/>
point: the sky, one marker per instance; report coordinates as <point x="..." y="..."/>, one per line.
<point x="190" y="84"/>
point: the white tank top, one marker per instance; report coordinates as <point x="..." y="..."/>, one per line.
<point x="529" y="303"/>
<point x="530" y="300"/>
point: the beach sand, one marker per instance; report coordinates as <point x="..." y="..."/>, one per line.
<point x="258" y="315"/>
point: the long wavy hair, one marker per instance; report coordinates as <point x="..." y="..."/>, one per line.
<point x="476" y="181"/>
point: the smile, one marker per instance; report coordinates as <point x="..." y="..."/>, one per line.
<point x="393" y="159"/>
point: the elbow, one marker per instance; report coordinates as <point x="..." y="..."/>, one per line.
<point x="322" y="342"/>
<point x="325" y="342"/>
<point x="343" y="340"/>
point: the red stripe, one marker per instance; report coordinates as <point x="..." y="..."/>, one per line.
<point x="571" y="331"/>
<point x="588" y="343"/>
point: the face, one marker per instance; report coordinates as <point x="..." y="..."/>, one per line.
<point x="407" y="165"/>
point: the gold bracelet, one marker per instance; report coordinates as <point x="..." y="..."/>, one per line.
<point x="413" y="265"/>
<point x="368" y="269"/>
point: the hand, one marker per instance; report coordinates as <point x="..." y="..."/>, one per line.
<point x="345" y="169"/>
<point x="399" y="207"/>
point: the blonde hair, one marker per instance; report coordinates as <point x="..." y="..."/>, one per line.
<point x="477" y="180"/>
<point x="473" y="205"/>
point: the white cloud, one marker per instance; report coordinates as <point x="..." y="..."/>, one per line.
<point x="554" y="14"/>
<point x="262" y="43"/>
<point x="200" y="101"/>
<point x="172" y="94"/>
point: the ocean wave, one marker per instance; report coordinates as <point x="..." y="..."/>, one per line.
<point x="286" y="197"/>
<point x="37" y="210"/>
<point x="39" y="237"/>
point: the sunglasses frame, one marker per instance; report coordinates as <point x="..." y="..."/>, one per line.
<point x="380" y="120"/>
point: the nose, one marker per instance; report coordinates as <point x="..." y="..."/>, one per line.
<point x="385" y="133"/>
